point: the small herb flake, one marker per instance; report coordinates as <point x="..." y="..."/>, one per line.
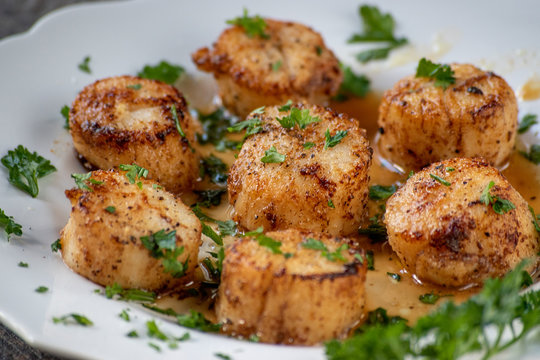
<point x="176" y="121"/>
<point x="380" y="192"/>
<point x="129" y="294"/>
<point x="533" y="155"/>
<point x="440" y="180"/>
<point x="84" y="65"/>
<point x="370" y="260"/>
<point x="110" y="209"/>
<point x="286" y="107"/>
<point x="442" y="74"/>
<point x="57" y="245"/>
<point x="308" y="145"/>
<point x="352" y="84"/>
<point x="9" y="225"/>
<point x="22" y="264"/>
<point x="196" y="320"/>
<point x="333" y="140"/>
<point x="41" y="289"/>
<point x="73" y="319"/>
<point x="124" y="315"/>
<point x="164" y="71"/>
<point x="273" y="156"/>
<point x="277" y="65"/>
<point x="253" y="26"/>
<point x="500" y="206"/>
<point x="135" y="86"/>
<point x="81" y="181"/>
<point x="133" y="334"/>
<point x="223" y="356"/>
<point x="65" y="113"/>
<point x="331" y="204"/>
<point x="527" y="121"/>
<point x="430" y="298"/>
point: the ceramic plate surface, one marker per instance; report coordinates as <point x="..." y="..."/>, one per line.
<point x="38" y="72"/>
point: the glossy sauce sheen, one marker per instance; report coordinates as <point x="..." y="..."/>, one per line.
<point x="399" y="298"/>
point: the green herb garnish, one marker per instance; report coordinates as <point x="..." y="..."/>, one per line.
<point x="162" y="246"/>
<point x="124" y="315"/>
<point x="129" y="294"/>
<point x="533" y="155"/>
<point x="308" y="145"/>
<point x="429" y="298"/>
<point x="215" y="168"/>
<point x="196" y="320"/>
<point x="500" y="206"/>
<point x="286" y="107"/>
<point x="41" y="289"/>
<point x="135" y="86"/>
<point x="9" y="225"/>
<point x="163" y="71"/>
<point x="134" y="172"/>
<point x="333" y="140"/>
<point x="209" y="198"/>
<point x="370" y="260"/>
<point x="133" y="334"/>
<point x="57" y="245"/>
<point x="176" y="121"/>
<point x="441" y="73"/>
<point x="352" y="84"/>
<point x="22" y="264"/>
<point x="527" y="121"/>
<point x="215" y="127"/>
<point x="73" y="319"/>
<point x="380" y="192"/>
<point x="318" y="245"/>
<point x="84" y="65"/>
<point x="273" y="156"/>
<point x="253" y="26"/>
<point x="277" y="65"/>
<point x="82" y="179"/>
<point x="110" y="209"/>
<point x="297" y="116"/>
<point x="223" y="356"/>
<point x="25" y="168"/>
<point x="331" y="203"/>
<point x="440" y="180"/>
<point x="65" y="113"/>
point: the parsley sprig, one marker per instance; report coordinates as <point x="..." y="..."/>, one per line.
<point x="500" y="206"/>
<point x="452" y="330"/>
<point x="271" y="244"/>
<point x="273" y="156"/>
<point x="318" y="245"/>
<point x="73" y="318"/>
<point x="9" y="225"/>
<point x="214" y="126"/>
<point x="164" y="71"/>
<point x="302" y="118"/>
<point x="25" y="168"/>
<point x="116" y="291"/>
<point x="441" y="73"/>
<point x="193" y="320"/>
<point x="377" y="27"/>
<point x="527" y="121"/>
<point x="82" y="179"/>
<point x="134" y="172"/>
<point x="253" y="25"/>
<point x="381" y="192"/>
<point x="352" y="84"/>
<point x="333" y="140"/>
<point x="162" y="245"/>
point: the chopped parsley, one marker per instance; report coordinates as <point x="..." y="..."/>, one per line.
<point x="318" y="245"/>
<point x="441" y="73"/>
<point x="209" y="198"/>
<point x="500" y="206"/>
<point x="215" y="168"/>
<point x="134" y="172"/>
<point x="223" y="356"/>
<point x="308" y="145"/>
<point x="57" y="245"/>
<point x="379" y="316"/>
<point x="429" y="298"/>
<point x="394" y="276"/>
<point x="165" y="72"/>
<point x="527" y="121"/>
<point x="333" y="140"/>
<point x="124" y="315"/>
<point x="135" y="86"/>
<point x="110" y="209"/>
<point x="380" y="192"/>
<point x="266" y="241"/>
<point x="84" y="65"/>
<point x="253" y="26"/>
<point x="252" y="126"/>
<point x="9" y="225"/>
<point x="196" y="320"/>
<point x="154" y="332"/>
<point x="41" y="289"/>
<point x="277" y="65"/>
<point x="129" y="294"/>
<point x="82" y="179"/>
<point x="535" y="219"/>
<point x="22" y="264"/>
<point x="273" y="156"/>
<point x="370" y="260"/>
<point x="450" y="169"/>
<point x="154" y="346"/>
<point x="352" y="84"/>
<point x="452" y="330"/>
<point x="377" y="27"/>
<point x="286" y="107"/>
<point x="25" y="168"/>
<point x="331" y="203"/>
<point x="533" y="155"/>
<point x="73" y="319"/>
<point x="162" y="246"/>
<point x="214" y="126"/>
<point x="208" y="231"/>
<point x="65" y="113"/>
<point x="176" y="121"/>
<point x="440" y="180"/>
<point x="133" y="334"/>
<point x="376" y="230"/>
<point x="297" y="116"/>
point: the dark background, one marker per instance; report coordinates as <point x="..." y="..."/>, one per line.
<point x="17" y="16"/>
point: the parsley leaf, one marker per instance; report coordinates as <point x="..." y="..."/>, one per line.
<point x="377" y="27"/>
<point x="209" y="198"/>
<point x="533" y="155"/>
<point x="308" y="145"/>
<point x="41" y="289"/>
<point x="134" y="172"/>
<point x="223" y="356"/>
<point x="429" y="298"/>
<point x="215" y="168"/>
<point x="297" y="116"/>
<point x="268" y="242"/>
<point x="65" y="113"/>
<point x="162" y="246"/>
<point x="286" y="107"/>
<point x="9" y="225"/>
<point x="440" y="180"/>
<point x="272" y="156"/>
<point x="22" y="264"/>
<point x="154" y="332"/>
<point x="331" y="141"/>
<point x="84" y="65"/>
<point x="129" y="294"/>
<point x="499" y="205"/>
<point x="318" y="245"/>
<point x="163" y="71"/>
<point x="379" y="316"/>
<point x="73" y="319"/>
<point x="253" y="26"/>
<point x="110" y="209"/>
<point x="376" y="230"/>
<point x="535" y="219"/>
<point x="441" y="73"/>
<point x="252" y="126"/>
<point x="527" y="121"/>
<point x="196" y="320"/>
<point x="134" y="86"/>
<point x="277" y="65"/>
<point x="177" y="122"/>
<point x="380" y="192"/>
<point x="57" y="245"/>
<point x="25" y="168"/>
<point x="352" y="84"/>
<point x="81" y="179"/>
<point x="215" y="127"/>
<point x="124" y="315"/>
<point x="370" y="260"/>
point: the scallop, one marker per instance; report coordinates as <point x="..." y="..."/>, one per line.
<point x="290" y="62"/>
<point x="126" y="119"/>
<point x="282" y="290"/>
<point x="321" y="185"/>
<point x="458" y="222"/>
<point x="421" y="123"/>
<point x="110" y="222"/>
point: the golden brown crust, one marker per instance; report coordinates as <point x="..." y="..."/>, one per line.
<point x="105" y="246"/>
<point x="297" y="192"/>
<point x="246" y="72"/>
<point x="446" y="235"/>
<point x="421" y="123"/>
<point x="113" y="124"/>
<point x="302" y="299"/>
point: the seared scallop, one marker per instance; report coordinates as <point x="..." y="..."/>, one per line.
<point x="458" y="222"/>
<point x="291" y="287"/>
<point x="134" y="234"/>
<point x="125" y="119"/>
<point x="290" y="62"/>
<point x="421" y="123"/>
<point x="320" y="185"/>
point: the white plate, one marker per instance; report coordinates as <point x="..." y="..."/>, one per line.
<point x="38" y="74"/>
